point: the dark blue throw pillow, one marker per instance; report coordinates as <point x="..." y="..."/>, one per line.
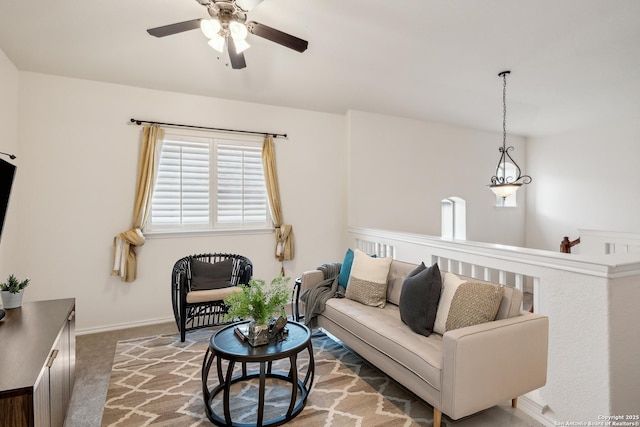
<point x="419" y="298"/>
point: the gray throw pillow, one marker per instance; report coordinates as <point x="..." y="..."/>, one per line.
<point x="419" y="298"/>
<point x="207" y="276"/>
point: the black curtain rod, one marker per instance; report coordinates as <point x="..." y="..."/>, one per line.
<point x="11" y="156"/>
<point x="275" y="135"/>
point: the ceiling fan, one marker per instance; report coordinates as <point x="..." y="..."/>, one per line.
<point x="228" y="25"/>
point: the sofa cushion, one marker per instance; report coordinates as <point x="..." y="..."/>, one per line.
<point x="510" y="304"/>
<point x="474" y="303"/>
<point x="398" y="271"/>
<point x="206" y="275"/>
<point x="419" y="298"/>
<point x="383" y="330"/>
<point x="449" y="286"/>
<point x="368" y="279"/>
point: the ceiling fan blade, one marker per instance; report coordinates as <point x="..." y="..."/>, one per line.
<point x="277" y="36"/>
<point x="237" y="59"/>
<point x="171" y="29"/>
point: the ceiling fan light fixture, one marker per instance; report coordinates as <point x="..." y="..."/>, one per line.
<point x="228" y="29"/>
<point x="238" y="30"/>
<point x="217" y="43"/>
<point x="210" y="28"/>
<point x="241" y="45"/>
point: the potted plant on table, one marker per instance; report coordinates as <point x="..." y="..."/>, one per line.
<point x="257" y="304"/>
<point x="12" y="291"/>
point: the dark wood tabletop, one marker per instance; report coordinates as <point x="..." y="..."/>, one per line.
<point x="226" y="344"/>
<point x="27" y="335"/>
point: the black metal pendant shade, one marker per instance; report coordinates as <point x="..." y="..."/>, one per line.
<point x="504" y="185"/>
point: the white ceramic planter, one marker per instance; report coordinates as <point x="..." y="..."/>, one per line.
<point x="10" y="300"/>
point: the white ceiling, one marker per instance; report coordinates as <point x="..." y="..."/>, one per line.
<point x="572" y="62"/>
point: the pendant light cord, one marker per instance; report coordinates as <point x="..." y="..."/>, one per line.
<point x="504" y="110"/>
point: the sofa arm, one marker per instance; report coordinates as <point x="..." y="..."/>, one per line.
<point x="310" y="279"/>
<point x="487" y="364"/>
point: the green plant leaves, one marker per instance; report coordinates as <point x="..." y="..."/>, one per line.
<point x="13" y="285"/>
<point x="254" y="302"/>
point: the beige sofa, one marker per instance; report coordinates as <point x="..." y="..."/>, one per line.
<point x="459" y="373"/>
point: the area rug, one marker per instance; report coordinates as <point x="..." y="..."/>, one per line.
<point x="156" y="381"/>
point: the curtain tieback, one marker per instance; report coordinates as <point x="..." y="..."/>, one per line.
<point x="133" y="236"/>
<point x="124" y="255"/>
<point x="284" y="243"/>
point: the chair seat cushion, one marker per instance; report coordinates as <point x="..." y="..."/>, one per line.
<point x="206" y="275"/>
<point x="211" y="295"/>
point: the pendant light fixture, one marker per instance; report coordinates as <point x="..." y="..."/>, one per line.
<point x="504" y="185"/>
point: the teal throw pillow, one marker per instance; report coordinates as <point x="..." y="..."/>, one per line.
<point x="345" y="269"/>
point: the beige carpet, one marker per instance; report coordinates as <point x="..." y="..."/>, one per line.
<point x="156" y="381"/>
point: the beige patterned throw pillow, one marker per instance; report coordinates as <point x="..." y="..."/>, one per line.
<point x="474" y="303"/>
<point x="368" y="279"/>
<point x="450" y="285"/>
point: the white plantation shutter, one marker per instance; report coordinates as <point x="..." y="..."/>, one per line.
<point x="207" y="183"/>
<point x="241" y="192"/>
<point x="181" y="194"/>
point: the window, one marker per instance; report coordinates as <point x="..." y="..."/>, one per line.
<point x="454" y="218"/>
<point x="209" y="183"/>
<point x="511" y="173"/>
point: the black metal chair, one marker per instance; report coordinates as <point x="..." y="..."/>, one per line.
<point x="195" y="309"/>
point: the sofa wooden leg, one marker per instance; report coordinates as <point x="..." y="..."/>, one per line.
<point x="514" y="402"/>
<point x="437" y="417"/>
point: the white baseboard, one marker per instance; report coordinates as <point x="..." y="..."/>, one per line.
<point x="118" y="326"/>
<point x="534" y="410"/>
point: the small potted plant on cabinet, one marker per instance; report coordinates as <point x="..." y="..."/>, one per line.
<point x="12" y="291"/>
<point x="258" y="305"/>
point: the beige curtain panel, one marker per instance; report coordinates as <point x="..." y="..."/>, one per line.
<point x="124" y="244"/>
<point x="284" y="232"/>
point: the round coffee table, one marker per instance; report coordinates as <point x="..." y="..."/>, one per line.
<point x="225" y="345"/>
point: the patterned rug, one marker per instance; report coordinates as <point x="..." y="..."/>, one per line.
<point x="156" y="381"/>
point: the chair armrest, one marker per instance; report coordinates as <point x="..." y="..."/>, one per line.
<point x="486" y="364"/>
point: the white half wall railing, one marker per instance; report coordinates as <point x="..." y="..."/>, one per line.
<point x="596" y="242"/>
<point x="591" y="301"/>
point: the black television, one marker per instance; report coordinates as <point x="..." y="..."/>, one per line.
<point x="7" y="173"/>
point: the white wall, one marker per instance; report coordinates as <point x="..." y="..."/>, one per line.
<point x="586" y="179"/>
<point x="415" y="164"/>
<point x="9" y="78"/>
<point x="79" y="157"/>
